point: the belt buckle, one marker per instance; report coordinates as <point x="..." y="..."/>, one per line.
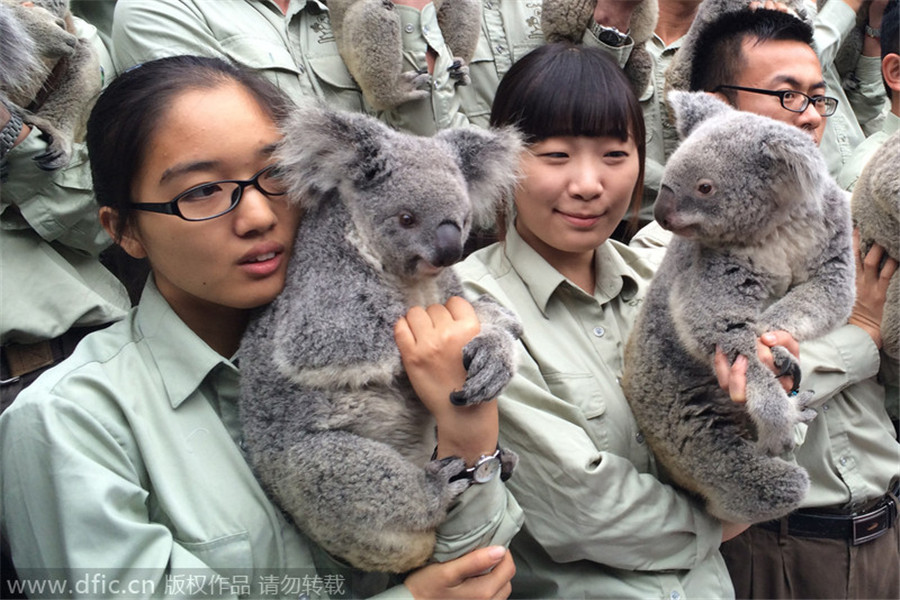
<point x="872" y="525"/>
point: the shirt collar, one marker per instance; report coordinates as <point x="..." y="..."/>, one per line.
<point x="614" y="275"/>
<point x="891" y="123"/>
<point x="182" y="358"/>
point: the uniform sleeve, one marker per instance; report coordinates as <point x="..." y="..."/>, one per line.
<point x="582" y="503"/>
<point x="486" y="515"/>
<point x="59" y="206"/>
<point x="73" y="501"/>
<point x="837" y="360"/>
<point x="832" y="24"/>
<point x="145" y="30"/>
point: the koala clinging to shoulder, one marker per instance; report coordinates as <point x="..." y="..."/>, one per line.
<point x="332" y="425"/>
<point x="762" y="243"/>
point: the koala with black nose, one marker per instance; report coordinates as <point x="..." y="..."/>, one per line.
<point x="332" y="426"/>
<point x="762" y="243"/>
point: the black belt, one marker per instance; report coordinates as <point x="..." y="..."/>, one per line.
<point x="18" y="360"/>
<point x="857" y="528"/>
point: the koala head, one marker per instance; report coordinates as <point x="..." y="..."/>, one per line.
<point x="737" y="176"/>
<point x="412" y="200"/>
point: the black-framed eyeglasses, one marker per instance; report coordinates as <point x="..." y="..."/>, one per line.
<point x="792" y="100"/>
<point x="216" y="198"/>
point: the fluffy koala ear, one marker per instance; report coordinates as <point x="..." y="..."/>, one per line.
<point x="489" y="162"/>
<point x="802" y="163"/>
<point x="322" y="148"/>
<point x="692" y="108"/>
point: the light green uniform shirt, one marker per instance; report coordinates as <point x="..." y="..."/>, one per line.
<point x="857" y="106"/>
<point x="125" y="462"/>
<point x="510" y="29"/>
<point x="853" y="168"/>
<point x="50" y="238"/>
<point x="662" y="137"/>
<point x="849" y="449"/>
<point x="598" y="522"/>
<point x="298" y="52"/>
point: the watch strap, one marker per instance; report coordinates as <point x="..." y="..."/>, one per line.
<point x="10" y="132"/>
<point x="872" y="32"/>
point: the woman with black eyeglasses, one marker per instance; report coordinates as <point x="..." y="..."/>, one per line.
<point x="122" y="469"/>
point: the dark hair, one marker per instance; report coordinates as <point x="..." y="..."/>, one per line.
<point x="130" y="111"/>
<point x="564" y="89"/>
<point x="890" y="40"/>
<point x="718" y="55"/>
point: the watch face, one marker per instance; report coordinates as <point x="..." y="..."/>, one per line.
<point x="486" y="470"/>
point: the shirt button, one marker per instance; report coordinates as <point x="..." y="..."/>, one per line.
<point x="824" y="407"/>
<point x="425" y="28"/>
<point x="640" y="438"/>
<point x="500" y="49"/>
<point x="409" y="28"/>
<point x="843" y="461"/>
<point x="599" y="331"/>
<point x="675" y="595"/>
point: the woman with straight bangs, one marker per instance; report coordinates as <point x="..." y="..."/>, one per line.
<point x="122" y="468"/>
<point x="598" y="520"/>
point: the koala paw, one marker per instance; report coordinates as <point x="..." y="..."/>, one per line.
<point x="801" y="401"/>
<point x="440" y="472"/>
<point x="459" y="71"/>
<point x="787" y="364"/>
<point x="56" y="156"/>
<point x="490" y="362"/>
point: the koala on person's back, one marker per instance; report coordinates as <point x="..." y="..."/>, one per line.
<point x="762" y="243"/>
<point x="48" y="75"/>
<point x="876" y="212"/>
<point x="333" y="429"/>
<point x="369" y="39"/>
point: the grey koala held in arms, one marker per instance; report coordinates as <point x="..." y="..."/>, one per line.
<point x="369" y="39"/>
<point x="569" y="19"/>
<point x="876" y="212"/>
<point x="762" y="243"/>
<point x="48" y="75"/>
<point x="333" y="428"/>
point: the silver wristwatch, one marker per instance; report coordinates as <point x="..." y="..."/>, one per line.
<point x="486" y="468"/>
<point x="609" y="35"/>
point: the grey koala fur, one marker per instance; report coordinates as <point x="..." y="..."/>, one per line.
<point x="876" y="211"/>
<point x="333" y="429"/>
<point x="763" y="243"/>
<point x="368" y="38"/>
<point x="39" y="49"/>
<point x="569" y="19"/>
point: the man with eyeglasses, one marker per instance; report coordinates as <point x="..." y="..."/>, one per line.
<point x="843" y="541"/>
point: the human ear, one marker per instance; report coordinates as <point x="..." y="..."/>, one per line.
<point x="890" y="70"/>
<point x="130" y="241"/>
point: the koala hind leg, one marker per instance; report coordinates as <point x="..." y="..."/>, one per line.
<point x="460" y="22"/>
<point x="370" y="43"/>
<point x="358" y="498"/>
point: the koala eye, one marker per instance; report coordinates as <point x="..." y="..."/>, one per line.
<point x="705" y="188"/>
<point x="406" y="220"/>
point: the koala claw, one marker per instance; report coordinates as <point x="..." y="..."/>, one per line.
<point x="801" y="401"/>
<point x="488" y="369"/>
<point x="444" y="470"/>
<point x="460" y="72"/>
<point x="53" y="159"/>
<point x="787" y="365"/>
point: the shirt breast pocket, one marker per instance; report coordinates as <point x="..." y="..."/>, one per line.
<point x="227" y="552"/>
<point x="582" y="391"/>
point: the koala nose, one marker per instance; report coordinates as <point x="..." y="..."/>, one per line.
<point x="448" y="244"/>
<point x="664" y="206"/>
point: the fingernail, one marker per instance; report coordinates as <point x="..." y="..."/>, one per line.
<point x="496" y="552"/>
